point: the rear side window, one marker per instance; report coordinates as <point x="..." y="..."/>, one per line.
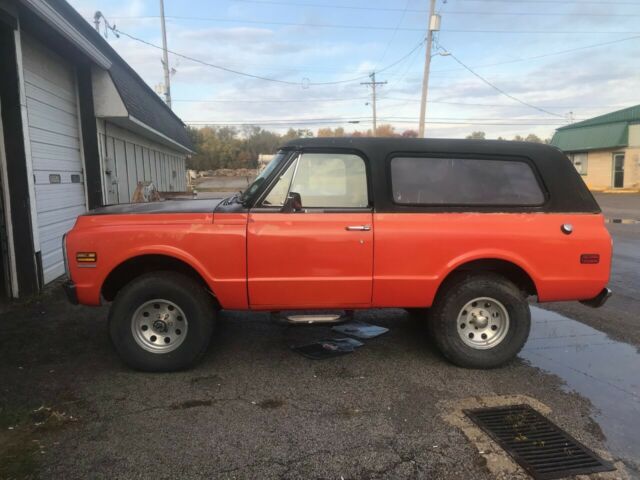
<point x="463" y="181"/>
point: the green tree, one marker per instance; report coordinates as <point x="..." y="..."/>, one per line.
<point x="227" y="147"/>
<point x="476" y="136"/>
<point x="532" y="137"/>
<point x="410" y="134"/>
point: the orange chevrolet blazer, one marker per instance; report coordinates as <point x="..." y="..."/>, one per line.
<point x="468" y="229"/>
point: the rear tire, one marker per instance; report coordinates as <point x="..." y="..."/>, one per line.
<point x="480" y="321"/>
<point x="161" y="322"/>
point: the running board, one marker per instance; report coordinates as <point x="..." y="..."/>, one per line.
<point x="312" y="318"/>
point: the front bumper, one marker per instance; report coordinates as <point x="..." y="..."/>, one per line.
<point x="598" y="300"/>
<point x="70" y="290"/>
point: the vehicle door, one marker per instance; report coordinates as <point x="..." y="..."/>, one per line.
<point x="310" y="235"/>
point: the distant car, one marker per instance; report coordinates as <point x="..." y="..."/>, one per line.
<point x="469" y="229"/>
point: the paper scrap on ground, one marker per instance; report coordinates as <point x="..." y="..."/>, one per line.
<point x="345" y="342"/>
<point x="360" y="329"/>
<point x="327" y="348"/>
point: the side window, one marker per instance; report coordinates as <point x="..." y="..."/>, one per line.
<point x="323" y="180"/>
<point x="331" y="180"/>
<point x="278" y="193"/>
<point x="463" y="181"/>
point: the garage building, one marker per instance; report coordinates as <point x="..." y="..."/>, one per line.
<point x="79" y="129"/>
<point x="605" y="149"/>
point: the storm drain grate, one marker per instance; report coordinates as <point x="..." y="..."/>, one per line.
<point x="542" y="448"/>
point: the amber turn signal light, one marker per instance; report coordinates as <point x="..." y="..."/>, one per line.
<point x="590" y="258"/>
<point x="86" y="257"/>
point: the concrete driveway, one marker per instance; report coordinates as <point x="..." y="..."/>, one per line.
<point x="256" y="409"/>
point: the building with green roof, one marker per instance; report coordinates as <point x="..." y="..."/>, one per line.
<point x="605" y="149"/>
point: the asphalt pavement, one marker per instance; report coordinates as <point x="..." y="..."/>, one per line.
<point x="256" y="409"/>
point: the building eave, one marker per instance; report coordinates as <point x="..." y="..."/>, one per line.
<point x="159" y="135"/>
<point x="47" y="13"/>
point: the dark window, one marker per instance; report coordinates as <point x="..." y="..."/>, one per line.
<point x="55" y="178"/>
<point x="463" y="181"/>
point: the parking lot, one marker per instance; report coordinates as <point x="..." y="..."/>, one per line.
<point x="255" y="409"/>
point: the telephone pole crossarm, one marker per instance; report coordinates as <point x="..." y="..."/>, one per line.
<point x="373" y="84"/>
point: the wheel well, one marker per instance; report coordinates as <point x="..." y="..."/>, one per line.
<point x="134" y="267"/>
<point x="509" y="270"/>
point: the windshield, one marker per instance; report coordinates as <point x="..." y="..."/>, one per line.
<point x="255" y="185"/>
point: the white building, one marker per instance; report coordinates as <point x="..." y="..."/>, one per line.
<point x="79" y="129"/>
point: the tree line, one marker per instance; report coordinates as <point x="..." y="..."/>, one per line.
<point x="532" y="137"/>
<point x="231" y="147"/>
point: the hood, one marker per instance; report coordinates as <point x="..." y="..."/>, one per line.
<point x="167" y="206"/>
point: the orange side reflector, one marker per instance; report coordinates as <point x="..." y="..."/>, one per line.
<point x="590" y="258"/>
<point x="86" y="257"/>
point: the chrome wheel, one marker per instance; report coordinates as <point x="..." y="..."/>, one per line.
<point x="483" y="323"/>
<point x="159" y="326"/>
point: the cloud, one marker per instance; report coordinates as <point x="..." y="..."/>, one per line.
<point x="590" y="82"/>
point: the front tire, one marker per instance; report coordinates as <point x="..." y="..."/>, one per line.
<point x="161" y="322"/>
<point x="480" y="321"/>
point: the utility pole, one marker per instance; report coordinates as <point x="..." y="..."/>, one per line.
<point x="96" y="19"/>
<point x="165" y="58"/>
<point x="434" y="26"/>
<point x="373" y="85"/>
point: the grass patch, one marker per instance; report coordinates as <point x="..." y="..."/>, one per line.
<point x="18" y="455"/>
<point x="18" y="451"/>
<point x="20" y="431"/>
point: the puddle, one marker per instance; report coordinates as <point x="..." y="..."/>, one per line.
<point x="605" y="371"/>
<point x="626" y="221"/>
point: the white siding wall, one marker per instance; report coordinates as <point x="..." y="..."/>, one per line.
<point x="128" y="158"/>
<point x="55" y="145"/>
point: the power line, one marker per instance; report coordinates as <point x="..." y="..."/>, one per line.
<point x="271" y="22"/>
<point x="498" y="89"/>
<point x="378" y="27"/>
<point x="336" y="6"/>
<point x="274" y="100"/>
<point x="387" y="117"/>
<point x="550" y="54"/>
<point x="260" y="77"/>
<point x="380" y="98"/>
<point x="547" y="14"/>
<point x="534" y="57"/>
<point x="545" y="32"/>
<point x="386" y="9"/>
<point x="505" y="62"/>
<point x="203" y="123"/>
<point x="556" y="2"/>
<point x="395" y="31"/>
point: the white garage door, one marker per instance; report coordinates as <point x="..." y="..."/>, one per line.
<point x="55" y="149"/>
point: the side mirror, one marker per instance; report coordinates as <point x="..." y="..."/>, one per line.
<point x="293" y="203"/>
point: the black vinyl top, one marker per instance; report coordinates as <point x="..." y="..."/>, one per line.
<point x="565" y="190"/>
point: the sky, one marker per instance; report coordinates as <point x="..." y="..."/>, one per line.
<point x="534" y="65"/>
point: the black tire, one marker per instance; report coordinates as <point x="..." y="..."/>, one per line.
<point x="443" y="323"/>
<point x="196" y="303"/>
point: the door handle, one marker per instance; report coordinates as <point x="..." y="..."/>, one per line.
<point x="358" y="228"/>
